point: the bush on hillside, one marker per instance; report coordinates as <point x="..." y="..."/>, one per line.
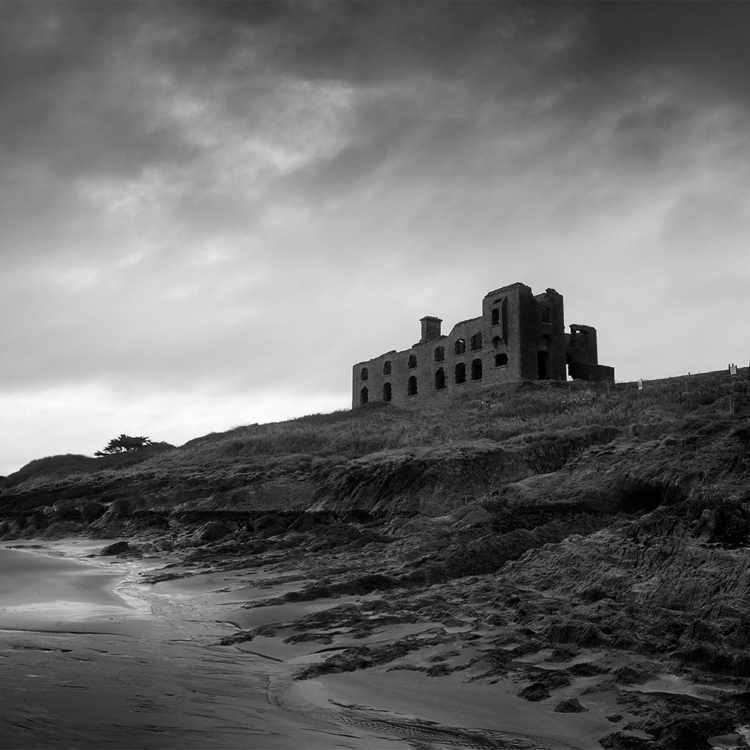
<point x="124" y="444"/>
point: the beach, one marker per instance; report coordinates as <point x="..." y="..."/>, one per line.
<point x="99" y="652"/>
<point x="86" y="662"/>
<point x="159" y="653"/>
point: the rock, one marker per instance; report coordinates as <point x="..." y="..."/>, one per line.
<point x="561" y="653"/>
<point x="690" y="732"/>
<point x="534" y="692"/>
<point x="633" y="674"/>
<point x="683" y="734"/>
<point x="90" y="511"/>
<point x="115" y="549"/>
<point x="213" y="531"/>
<point x="131" y="554"/>
<point x="553" y="679"/>
<point x="37" y="521"/>
<point x="269" y="525"/>
<point x="622" y="741"/>
<point x="570" y="706"/>
<point x="586" y="669"/>
<point x="579" y="633"/>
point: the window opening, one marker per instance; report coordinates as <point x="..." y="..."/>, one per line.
<point x="579" y="339"/>
<point x="460" y="373"/>
<point x="387" y="368"/>
<point x="439" y="379"/>
<point x="439" y="354"/>
<point x="363" y="396"/>
<point x="386" y="391"/>
<point x="460" y="346"/>
<point x="542" y="359"/>
<point x="476" y="369"/>
<point x="412" y="361"/>
<point x="500" y="316"/>
<point x="365" y="374"/>
<point x="545" y="314"/>
<point x="476" y="342"/>
<point x="411" y="388"/>
<point x="501" y="360"/>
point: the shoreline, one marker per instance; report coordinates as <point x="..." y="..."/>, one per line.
<point x="238" y="658"/>
<point x="376" y="697"/>
<point x="168" y="685"/>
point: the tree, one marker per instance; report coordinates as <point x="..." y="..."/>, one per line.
<point x="124" y="444"/>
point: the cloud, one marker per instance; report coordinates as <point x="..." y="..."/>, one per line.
<point x="227" y="202"/>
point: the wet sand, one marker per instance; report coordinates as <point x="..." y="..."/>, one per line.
<point x="47" y="590"/>
<point x="89" y="658"/>
<point x="426" y="712"/>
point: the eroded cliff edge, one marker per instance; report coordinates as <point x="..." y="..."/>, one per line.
<point x="604" y="530"/>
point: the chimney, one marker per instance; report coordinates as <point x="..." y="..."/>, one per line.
<point x="430" y="329"/>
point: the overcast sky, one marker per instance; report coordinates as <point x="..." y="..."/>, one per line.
<point x="210" y="210"/>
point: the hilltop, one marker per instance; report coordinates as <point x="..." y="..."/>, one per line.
<point x="586" y="543"/>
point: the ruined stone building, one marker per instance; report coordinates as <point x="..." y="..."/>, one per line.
<point x="518" y="336"/>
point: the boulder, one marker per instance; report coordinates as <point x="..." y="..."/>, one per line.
<point x="115" y="549"/>
<point x="570" y="706"/>
<point x="213" y="531"/>
<point x="534" y="692"/>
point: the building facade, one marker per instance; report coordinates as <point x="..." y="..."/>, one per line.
<point x="518" y="336"/>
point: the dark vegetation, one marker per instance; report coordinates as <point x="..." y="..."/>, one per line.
<point x="125" y="444"/>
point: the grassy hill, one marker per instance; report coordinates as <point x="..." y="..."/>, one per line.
<point x="381" y="458"/>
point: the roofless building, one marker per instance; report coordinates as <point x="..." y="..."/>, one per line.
<point x="518" y="336"/>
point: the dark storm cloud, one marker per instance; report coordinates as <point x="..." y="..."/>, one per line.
<point x="60" y="102"/>
<point x="59" y="59"/>
<point x="701" y="41"/>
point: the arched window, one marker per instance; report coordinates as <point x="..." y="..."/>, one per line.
<point x="387" y="368"/>
<point x="476" y="369"/>
<point x="411" y="388"/>
<point x="496" y="341"/>
<point x="412" y="361"/>
<point x="476" y="342"/>
<point x="439" y="354"/>
<point x="439" y="379"/>
<point x="460" y="373"/>
<point x="365" y="374"/>
<point x="386" y="392"/>
<point x="501" y="360"/>
<point x="363" y="396"/>
<point x="460" y="346"/>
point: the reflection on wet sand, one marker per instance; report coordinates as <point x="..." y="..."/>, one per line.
<point x="89" y="658"/>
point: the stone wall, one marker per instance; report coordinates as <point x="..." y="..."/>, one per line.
<point x="518" y="336"/>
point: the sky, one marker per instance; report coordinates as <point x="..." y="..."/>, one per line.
<point x="209" y="211"/>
